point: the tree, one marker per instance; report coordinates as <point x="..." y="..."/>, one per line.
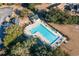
<point x="60" y="17"/>
<point x="12" y="33"/>
<point x="23" y="12"/>
<point x="31" y="6"/>
<point x="43" y="50"/>
<point x="34" y="47"/>
<point x="1" y="4"/>
<point x="22" y="48"/>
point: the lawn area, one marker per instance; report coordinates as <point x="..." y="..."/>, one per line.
<point x="12" y="32"/>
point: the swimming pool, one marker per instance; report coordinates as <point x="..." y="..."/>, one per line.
<point x="51" y="37"/>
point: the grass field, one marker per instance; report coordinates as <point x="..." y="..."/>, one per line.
<point x="12" y="32"/>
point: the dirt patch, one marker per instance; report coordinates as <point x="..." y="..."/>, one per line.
<point x="24" y="21"/>
<point x="61" y="6"/>
<point x="42" y="6"/>
<point x="72" y="47"/>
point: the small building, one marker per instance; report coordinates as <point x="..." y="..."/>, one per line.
<point x="33" y="17"/>
<point x="74" y="7"/>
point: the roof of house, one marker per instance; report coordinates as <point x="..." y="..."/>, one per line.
<point x="5" y="12"/>
<point x="33" y="17"/>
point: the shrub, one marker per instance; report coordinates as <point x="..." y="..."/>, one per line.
<point x="60" y="17"/>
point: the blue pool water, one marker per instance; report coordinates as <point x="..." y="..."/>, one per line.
<point x="51" y="37"/>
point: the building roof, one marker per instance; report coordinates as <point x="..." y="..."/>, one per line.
<point x="33" y="17"/>
<point x="5" y="12"/>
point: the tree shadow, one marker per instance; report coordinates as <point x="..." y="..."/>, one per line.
<point x="17" y="12"/>
<point x="2" y="35"/>
<point x="20" y="39"/>
<point x="45" y="50"/>
<point x="41" y="14"/>
<point x="39" y="49"/>
<point x="25" y="5"/>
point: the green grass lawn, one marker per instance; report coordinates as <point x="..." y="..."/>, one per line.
<point x="12" y="32"/>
